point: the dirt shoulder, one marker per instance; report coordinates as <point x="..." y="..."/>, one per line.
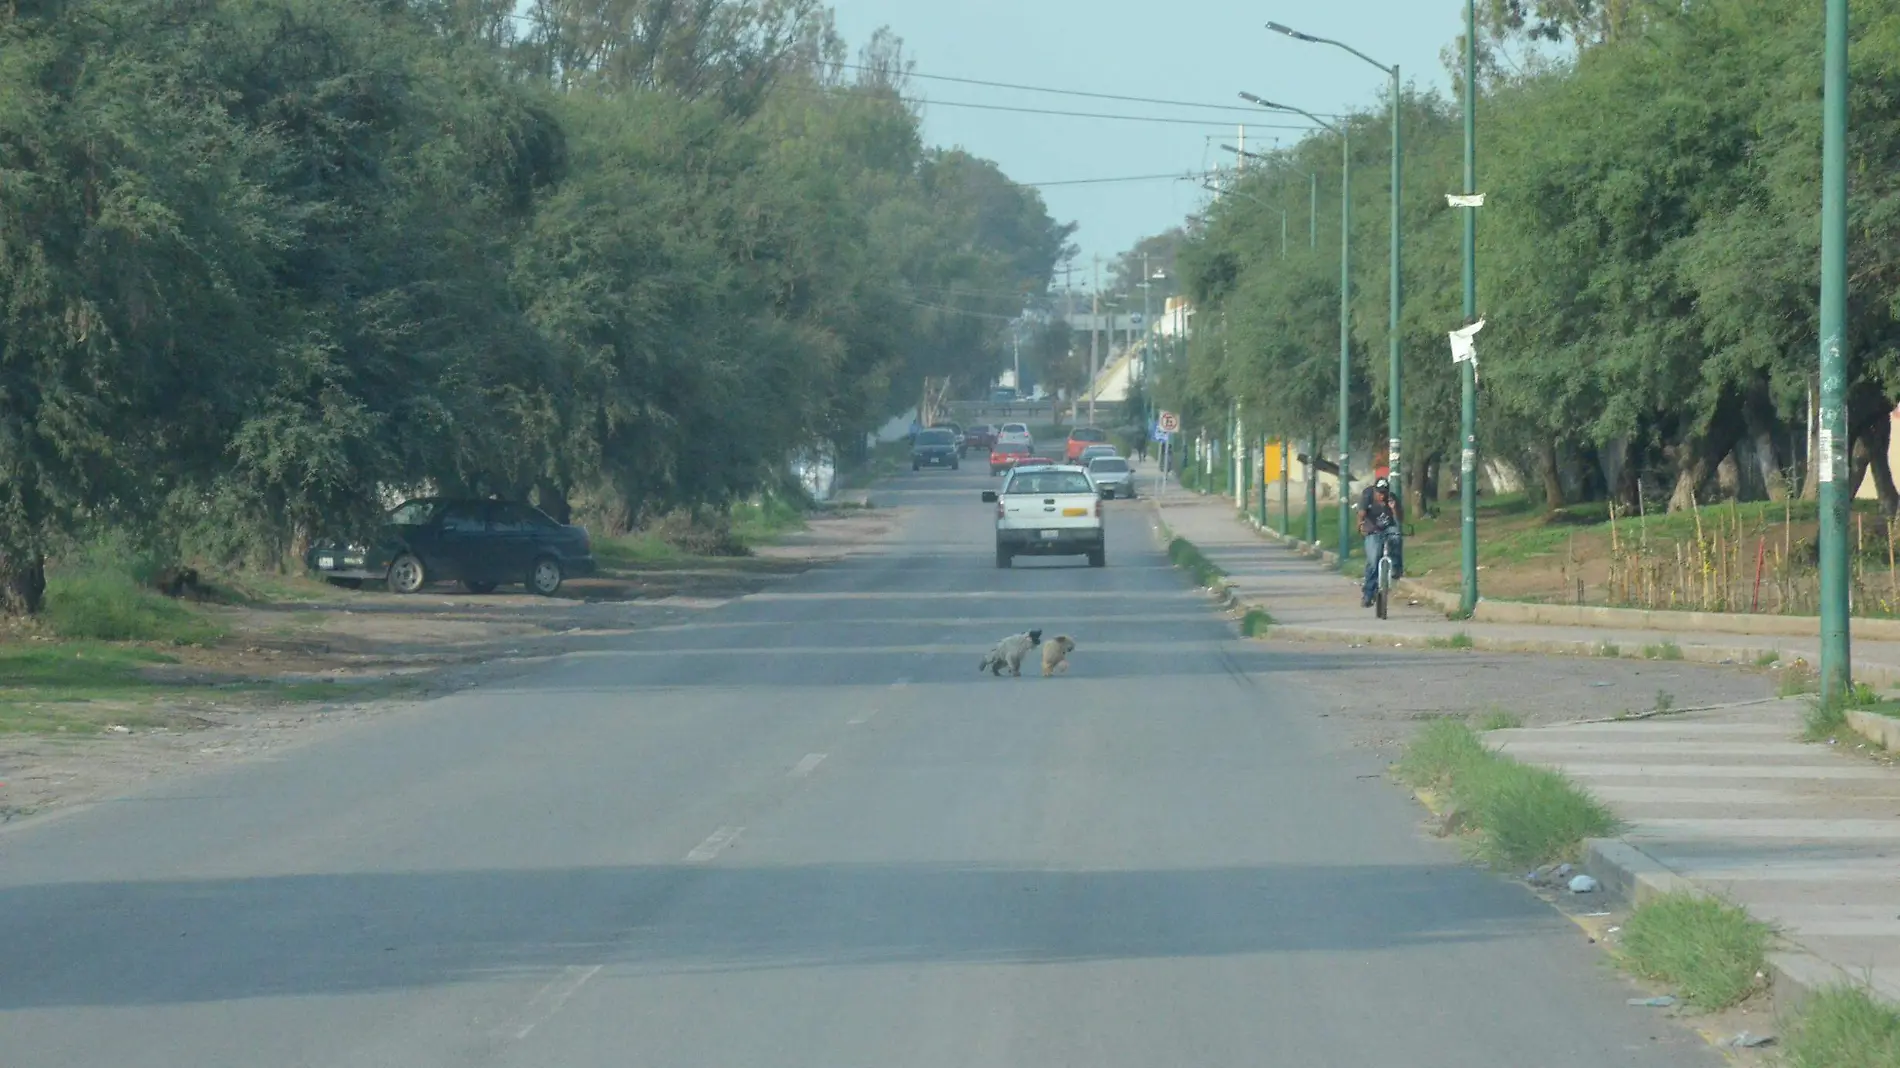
<point x="82" y="721"/>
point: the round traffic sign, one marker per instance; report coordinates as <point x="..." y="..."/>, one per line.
<point x="1170" y="422"/>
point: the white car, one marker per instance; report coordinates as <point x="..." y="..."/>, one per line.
<point x="1016" y="434"/>
<point x="1052" y="510"/>
<point x="1113" y="476"/>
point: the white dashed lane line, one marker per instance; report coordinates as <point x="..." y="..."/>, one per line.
<point x="716" y="841"/>
<point x="807" y="765"/>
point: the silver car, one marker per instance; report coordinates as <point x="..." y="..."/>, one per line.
<point x="1113" y="475"/>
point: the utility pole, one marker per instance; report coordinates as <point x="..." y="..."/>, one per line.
<point x="1837" y="678"/>
<point x="1095" y="317"/>
<point x="1394" y="398"/>
<point x="1468" y="370"/>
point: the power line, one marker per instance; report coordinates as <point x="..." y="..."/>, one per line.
<point x="1131" y="178"/>
<point x="926" y="102"/>
<point x="1061" y="92"/>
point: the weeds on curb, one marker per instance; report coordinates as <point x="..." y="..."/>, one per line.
<point x="1843" y="1026"/>
<point x="1255" y="623"/>
<point x="1185" y="555"/>
<point x="1768" y="659"/>
<point x="1797" y="678"/>
<point x="1823" y="721"/>
<point x="1609" y="651"/>
<point x="1498" y="720"/>
<point x="1712" y="952"/>
<point x="1460" y="640"/>
<point x="1520" y="816"/>
<point x="1663" y="651"/>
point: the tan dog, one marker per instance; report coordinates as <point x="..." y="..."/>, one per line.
<point x="1055" y="654"/>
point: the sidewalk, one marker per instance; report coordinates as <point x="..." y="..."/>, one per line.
<point x="1727" y="800"/>
<point x="1310" y="602"/>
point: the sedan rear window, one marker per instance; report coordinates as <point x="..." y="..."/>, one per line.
<point x="1049" y="483"/>
<point x="1109" y="465"/>
<point x="936" y="437"/>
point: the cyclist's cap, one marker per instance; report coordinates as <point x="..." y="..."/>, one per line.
<point x="1381" y="484"/>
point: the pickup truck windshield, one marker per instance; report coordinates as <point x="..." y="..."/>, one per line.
<point x="1050" y="483"/>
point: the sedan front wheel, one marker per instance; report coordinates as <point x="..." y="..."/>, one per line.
<point x="545" y="576"/>
<point x="406" y="574"/>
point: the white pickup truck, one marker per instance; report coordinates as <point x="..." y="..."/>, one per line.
<point x="1048" y="511"/>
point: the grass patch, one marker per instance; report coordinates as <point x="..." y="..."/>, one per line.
<point x="1843" y="1026"/>
<point x="51" y="687"/>
<point x="1518" y="816"/>
<point x="1185" y="555"/>
<point x="1460" y="640"/>
<point x="1797" y="678"/>
<point x="1768" y="659"/>
<point x="1709" y="950"/>
<point x="1255" y="623"/>
<point x="1498" y="721"/>
<point x="761" y="521"/>
<point x="1662" y="651"/>
<point x="1609" y="650"/>
<point x="631" y="552"/>
<point x="109" y="605"/>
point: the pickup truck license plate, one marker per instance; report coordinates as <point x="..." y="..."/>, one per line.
<point x="1048" y="535"/>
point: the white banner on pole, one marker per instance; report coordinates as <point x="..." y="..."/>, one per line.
<point x="1460" y="200"/>
<point x="1463" y="347"/>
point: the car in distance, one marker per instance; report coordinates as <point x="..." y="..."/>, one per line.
<point x="954" y="428"/>
<point x="1081" y="438"/>
<point x="1003" y="395"/>
<point x="1016" y="434"/>
<point x="1112" y="476"/>
<point x="1093" y="451"/>
<point x="1048" y="510"/>
<point x="480" y="543"/>
<point x="1005" y="455"/>
<point x="981" y="437"/>
<point x="936" y="447"/>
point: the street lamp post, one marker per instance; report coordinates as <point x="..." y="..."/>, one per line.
<point x="1831" y="463"/>
<point x="1468" y="369"/>
<point x="1394" y="394"/>
<point x="1345" y="316"/>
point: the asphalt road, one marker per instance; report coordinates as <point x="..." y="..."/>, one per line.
<point x="803" y="831"/>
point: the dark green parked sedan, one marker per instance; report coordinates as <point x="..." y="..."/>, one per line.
<point x="480" y="543"/>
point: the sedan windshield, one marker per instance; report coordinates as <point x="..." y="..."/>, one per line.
<point x="1108" y="466"/>
<point x="936" y="437"/>
<point x="1049" y="483"/>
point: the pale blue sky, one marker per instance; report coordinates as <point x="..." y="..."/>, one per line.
<point x="1203" y="51"/>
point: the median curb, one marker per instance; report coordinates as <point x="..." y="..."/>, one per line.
<point x="1224" y="592"/>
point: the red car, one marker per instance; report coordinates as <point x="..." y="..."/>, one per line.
<point x="1081" y="438"/>
<point x="1004" y="457"/>
<point x="980" y="437"/>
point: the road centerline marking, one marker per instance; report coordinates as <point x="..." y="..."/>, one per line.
<point x="548" y="1000"/>
<point x="714" y="843"/>
<point x="807" y="765"/>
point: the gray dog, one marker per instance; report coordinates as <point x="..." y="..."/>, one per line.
<point x="1009" y="653"/>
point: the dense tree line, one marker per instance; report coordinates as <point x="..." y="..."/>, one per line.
<point x="1647" y="260"/>
<point x="263" y="262"/>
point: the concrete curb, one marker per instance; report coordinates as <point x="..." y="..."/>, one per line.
<point x="1223" y="592"/>
<point x="1875" y="727"/>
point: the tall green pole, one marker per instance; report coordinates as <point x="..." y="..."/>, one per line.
<point x="1312" y="490"/>
<point x="1393" y="396"/>
<point x="1468" y="371"/>
<point x="1831" y="464"/>
<point x="1345" y="346"/>
<point x="1286" y="500"/>
<point x="1260" y="446"/>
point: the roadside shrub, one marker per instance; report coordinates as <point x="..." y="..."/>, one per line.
<point x="699" y="532"/>
<point x="1844" y="1026"/>
<point x="108" y="605"/>
<point x="1522" y="816"/>
<point x="1709" y="950"/>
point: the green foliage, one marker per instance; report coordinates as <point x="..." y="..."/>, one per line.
<point x="1518" y="815"/>
<point x="1706" y="949"/>
<point x="1646" y="261"/>
<point x="1499" y="721"/>
<point x="1185" y="555"/>
<point x="1843" y="1026"/>
<point x="268" y="262"/>
<point x="1255" y="623"/>
<point x="107" y="605"/>
<point x="1458" y="640"/>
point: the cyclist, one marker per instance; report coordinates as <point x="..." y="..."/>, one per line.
<point x="1379" y="520"/>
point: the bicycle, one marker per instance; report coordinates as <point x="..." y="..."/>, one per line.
<point x="1386" y="567"/>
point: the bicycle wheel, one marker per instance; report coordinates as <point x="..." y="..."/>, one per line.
<point x="1385" y="585"/>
